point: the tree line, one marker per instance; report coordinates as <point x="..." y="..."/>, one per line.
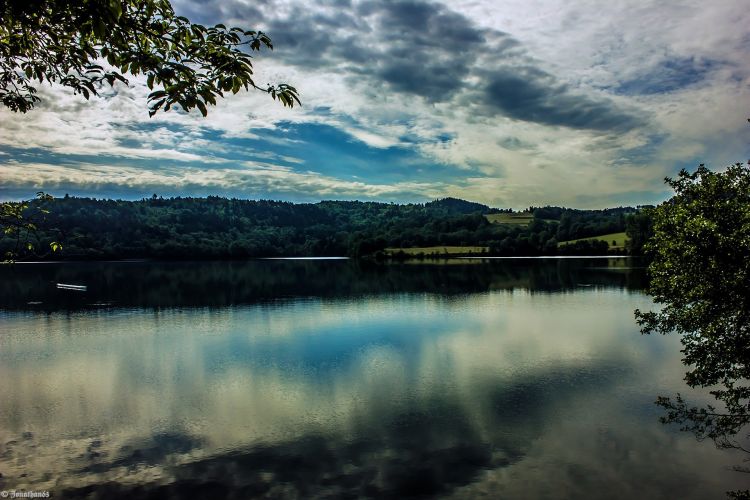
<point x="222" y="228"/>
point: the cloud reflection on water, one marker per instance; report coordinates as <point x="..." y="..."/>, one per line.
<point x="507" y="393"/>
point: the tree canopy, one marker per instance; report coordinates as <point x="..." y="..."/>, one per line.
<point x="83" y="44"/>
<point x="221" y="228"/>
<point x="700" y="276"/>
<point x="20" y="228"/>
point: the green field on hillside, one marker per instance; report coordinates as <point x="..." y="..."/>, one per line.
<point x="517" y="218"/>
<point x="437" y="251"/>
<point x="616" y="241"/>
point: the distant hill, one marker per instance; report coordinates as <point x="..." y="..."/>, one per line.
<point x="221" y="228"/>
<point x="457" y="206"/>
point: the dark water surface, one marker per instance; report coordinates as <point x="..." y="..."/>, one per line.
<point x="296" y="379"/>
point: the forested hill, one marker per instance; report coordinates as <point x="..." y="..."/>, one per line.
<point x="214" y="227"/>
<point x="459" y="207"/>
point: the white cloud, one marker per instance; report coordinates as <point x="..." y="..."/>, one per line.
<point x="588" y="50"/>
<point x="255" y="178"/>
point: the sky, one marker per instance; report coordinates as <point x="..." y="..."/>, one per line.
<point x="510" y="103"/>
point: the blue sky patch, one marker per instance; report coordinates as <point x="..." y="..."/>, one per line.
<point x="669" y="76"/>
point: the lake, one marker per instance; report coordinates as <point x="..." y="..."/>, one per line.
<point x="510" y="378"/>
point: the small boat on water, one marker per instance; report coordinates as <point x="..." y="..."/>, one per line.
<point x="75" y="288"/>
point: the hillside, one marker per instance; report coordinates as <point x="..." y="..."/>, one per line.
<point x="458" y="207"/>
<point x="221" y="228"/>
<point x="520" y="218"/>
<point x="616" y="241"/>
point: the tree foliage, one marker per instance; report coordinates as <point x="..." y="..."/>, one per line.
<point x="21" y="224"/>
<point x="220" y="228"/>
<point x="700" y="275"/>
<point x="83" y="44"/>
<point x="639" y="228"/>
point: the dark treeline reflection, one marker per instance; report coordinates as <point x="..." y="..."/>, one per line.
<point x="219" y="284"/>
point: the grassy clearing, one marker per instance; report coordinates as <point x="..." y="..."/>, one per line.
<point x="616" y="241"/>
<point x="437" y="251"/>
<point x="516" y="218"/>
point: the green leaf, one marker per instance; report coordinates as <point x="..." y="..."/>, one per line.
<point x="115" y="8"/>
<point x="99" y="28"/>
<point x="202" y="108"/>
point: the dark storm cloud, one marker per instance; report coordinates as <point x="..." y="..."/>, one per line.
<point x="426" y="49"/>
<point x="219" y="11"/>
<point x="429" y="50"/>
<point x="316" y="41"/>
<point x="430" y="24"/>
<point x="531" y="94"/>
<point x="415" y="47"/>
<point x="432" y="81"/>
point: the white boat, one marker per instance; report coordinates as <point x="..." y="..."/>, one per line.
<point x="77" y="288"/>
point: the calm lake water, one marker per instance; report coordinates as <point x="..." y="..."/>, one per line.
<point x="295" y="379"/>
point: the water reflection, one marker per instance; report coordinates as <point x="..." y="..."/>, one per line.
<point x="219" y="284"/>
<point x="373" y="388"/>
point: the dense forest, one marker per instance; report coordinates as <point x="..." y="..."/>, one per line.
<point x="221" y="228"/>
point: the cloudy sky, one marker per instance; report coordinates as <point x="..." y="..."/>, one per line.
<point x="511" y="103"/>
